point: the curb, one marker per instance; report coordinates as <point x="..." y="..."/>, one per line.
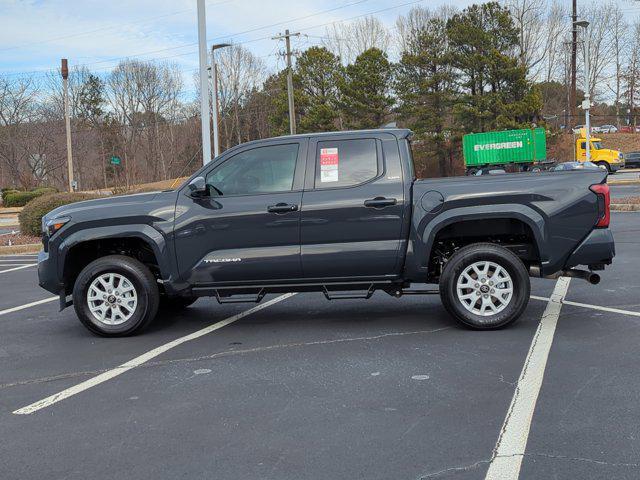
<point x="28" y="248"/>
<point x="625" y="207"/>
<point x="625" y="182"/>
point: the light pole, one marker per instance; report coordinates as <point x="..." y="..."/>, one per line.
<point x="214" y="73"/>
<point x="586" y="103"/>
<point x="204" y="83"/>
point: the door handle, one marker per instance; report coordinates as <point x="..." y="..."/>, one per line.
<point x="380" y="202"/>
<point x="282" y="208"/>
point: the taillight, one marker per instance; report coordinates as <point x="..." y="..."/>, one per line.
<point x="604" y="200"/>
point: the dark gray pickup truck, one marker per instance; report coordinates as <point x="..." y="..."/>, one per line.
<point x="338" y="213"/>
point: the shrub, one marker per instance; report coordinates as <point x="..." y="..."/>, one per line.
<point x="45" y="190"/>
<point x="19" y="199"/>
<point x="31" y="216"/>
<point x="7" y="191"/>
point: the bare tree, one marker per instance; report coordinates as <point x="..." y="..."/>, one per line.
<point x="620" y="45"/>
<point x="409" y="26"/>
<point x="555" y="27"/>
<point x="631" y="74"/>
<point x="240" y="72"/>
<point x="20" y="154"/>
<point x="348" y="40"/>
<point x="529" y="18"/>
<point x="142" y="96"/>
<point x="601" y="46"/>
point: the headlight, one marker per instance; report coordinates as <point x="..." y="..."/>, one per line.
<point x="55" y="224"/>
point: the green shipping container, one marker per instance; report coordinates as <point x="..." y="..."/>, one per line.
<point x="501" y="148"/>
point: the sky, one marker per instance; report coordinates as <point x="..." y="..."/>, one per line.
<point x="35" y="34"/>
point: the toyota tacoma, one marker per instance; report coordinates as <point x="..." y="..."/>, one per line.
<point x="337" y="213"/>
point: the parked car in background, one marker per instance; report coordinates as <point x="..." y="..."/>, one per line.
<point x="605" y="129"/>
<point x="632" y="159"/>
<point x="577" y="129"/>
<point x="565" y="166"/>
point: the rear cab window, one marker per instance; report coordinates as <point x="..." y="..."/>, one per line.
<point x="346" y="163"/>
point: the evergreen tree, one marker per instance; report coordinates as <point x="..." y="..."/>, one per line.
<point x="424" y="83"/>
<point x="364" y="89"/>
<point x="317" y="74"/>
<point x="494" y="91"/>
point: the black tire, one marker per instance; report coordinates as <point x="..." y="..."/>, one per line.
<point x="176" y="303"/>
<point x="484" y="252"/>
<point x="472" y="171"/>
<point x="605" y="165"/>
<point x="146" y="289"/>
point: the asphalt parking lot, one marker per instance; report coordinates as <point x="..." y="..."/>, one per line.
<point x="303" y="388"/>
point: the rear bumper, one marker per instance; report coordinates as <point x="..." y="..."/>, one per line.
<point x="597" y="249"/>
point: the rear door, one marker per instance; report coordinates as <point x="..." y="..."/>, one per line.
<point x="352" y="207"/>
<point x="248" y="227"/>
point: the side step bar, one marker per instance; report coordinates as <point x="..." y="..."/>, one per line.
<point x="241" y="298"/>
<point x="349" y="296"/>
<point x="329" y="294"/>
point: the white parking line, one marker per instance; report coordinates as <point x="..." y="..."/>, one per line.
<point x="512" y="441"/>
<point x="27" y="305"/>
<point x="593" y="307"/>
<point x="145" y="357"/>
<point x="604" y="309"/>
<point x="18" y="268"/>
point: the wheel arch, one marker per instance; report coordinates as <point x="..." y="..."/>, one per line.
<point x="423" y="238"/>
<point x="137" y="241"/>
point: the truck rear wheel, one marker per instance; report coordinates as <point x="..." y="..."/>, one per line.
<point x="485" y="286"/>
<point x="115" y="296"/>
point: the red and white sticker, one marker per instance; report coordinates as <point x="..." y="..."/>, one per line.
<point x="329" y="163"/>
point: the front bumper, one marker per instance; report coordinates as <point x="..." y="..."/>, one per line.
<point x="616" y="166"/>
<point x="47" y="273"/>
<point x="596" y="250"/>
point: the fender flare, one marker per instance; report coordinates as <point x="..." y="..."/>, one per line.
<point x="428" y="228"/>
<point x="146" y="233"/>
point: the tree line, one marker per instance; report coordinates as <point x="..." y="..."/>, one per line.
<point x="441" y="72"/>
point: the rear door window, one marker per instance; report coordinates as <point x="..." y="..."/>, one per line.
<point x="345" y="163"/>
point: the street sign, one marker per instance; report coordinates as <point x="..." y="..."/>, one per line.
<point x="115" y="160"/>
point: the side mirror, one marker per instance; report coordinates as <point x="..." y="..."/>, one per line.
<point x="198" y="187"/>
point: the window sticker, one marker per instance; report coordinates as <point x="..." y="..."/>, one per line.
<point x="329" y="162"/>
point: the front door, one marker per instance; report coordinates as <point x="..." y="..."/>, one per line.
<point x="247" y="227"/>
<point x="352" y="208"/>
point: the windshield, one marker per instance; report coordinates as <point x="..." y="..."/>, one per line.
<point x="596" y="145"/>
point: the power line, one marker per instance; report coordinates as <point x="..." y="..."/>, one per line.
<point x="192" y="52"/>
<point x="109" y="27"/>
<point x="116" y="59"/>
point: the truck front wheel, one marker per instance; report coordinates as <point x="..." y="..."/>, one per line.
<point x="115" y="296"/>
<point x="485" y="286"/>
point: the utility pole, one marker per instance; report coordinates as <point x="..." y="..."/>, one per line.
<point x="292" y="110"/>
<point x="204" y="84"/>
<point x="214" y="73"/>
<point x="574" y="49"/>
<point x="64" y="70"/>
<point x="586" y="104"/>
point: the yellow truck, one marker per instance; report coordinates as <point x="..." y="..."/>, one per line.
<point x="613" y="160"/>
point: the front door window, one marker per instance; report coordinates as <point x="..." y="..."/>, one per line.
<point x="268" y="169"/>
